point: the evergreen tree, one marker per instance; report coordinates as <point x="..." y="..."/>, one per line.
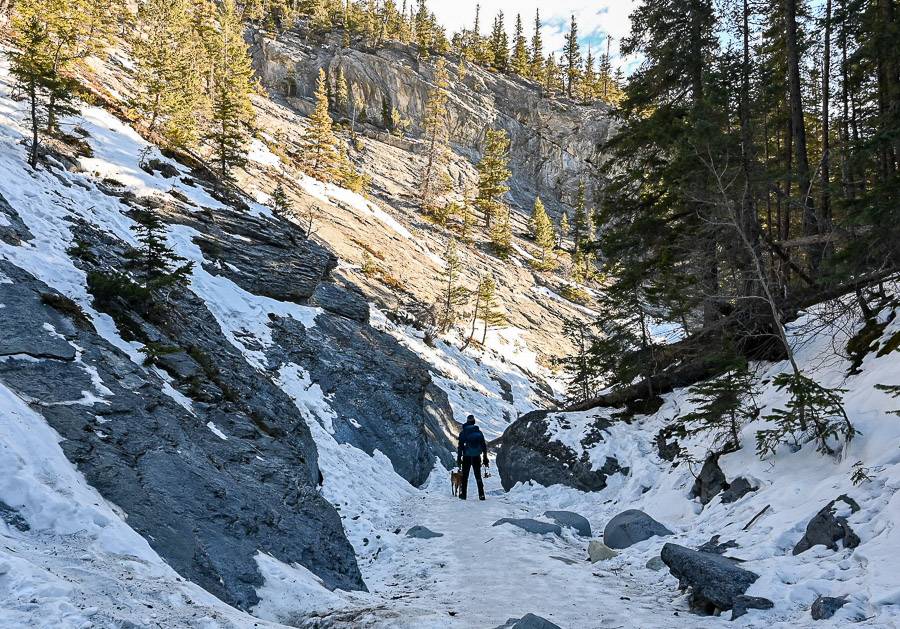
<point x="552" y="81"/>
<point x="543" y="233"/>
<point x="499" y="45"/>
<point x="169" y="60"/>
<point x="583" y="377"/>
<point x="158" y="264"/>
<point x="500" y="232"/>
<point x="589" y="79"/>
<point x="281" y="205"/>
<point x="563" y="226"/>
<point x="323" y="159"/>
<point x="232" y="76"/>
<point x="580" y="219"/>
<point x="572" y="57"/>
<point x="453" y="295"/>
<point x="493" y="173"/>
<point x="490" y="312"/>
<point x="521" y="64"/>
<point x="537" y="50"/>
<point x="342" y="92"/>
<point x="435" y="180"/>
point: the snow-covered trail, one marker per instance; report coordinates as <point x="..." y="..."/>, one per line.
<point x="478" y="575"/>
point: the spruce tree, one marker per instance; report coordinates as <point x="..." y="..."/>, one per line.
<point x="580" y="219"/>
<point x="499" y="45"/>
<point x="342" y="92"/>
<point x="500" y="232"/>
<point x="157" y="263"/>
<point x="323" y="159"/>
<point x="453" y="295"/>
<point x="520" y="62"/>
<point x="493" y="173"/>
<point x="543" y="233"/>
<point x="563" y="226"/>
<point x="537" y="50"/>
<point x="572" y="58"/>
<point x="232" y="76"/>
<point x="435" y="180"/>
<point x="490" y="313"/>
<point x="169" y="62"/>
<point x="583" y="375"/>
<point x="589" y="79"/>
<point x="281" y="205"/>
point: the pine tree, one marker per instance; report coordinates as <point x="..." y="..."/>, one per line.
<point x="551" y="75"/>
<point x="563" y="226"/>
<point x="493" y="173"/>
<point x="169" y="60"/>
<point x="342" y="92"/>
<point x="520" y="61"/>
<point x="537" y="50"/>
<point x="159" y="265"/>
<point x="572" y="58"/>
<point x="583" y="376"/>
<point x="500" y="232"/>
<point x="322" y="154"/>
<point x="543" y="233"/>
<point x="453" y="296"/>
<point x="435" y="180"/>
<point x="580" y="219"/>
<point x="490" y="313"/>
<point x="232" y="76"/>
<point x="281" y="205"/>
<point x="589" y="79"/>
<point x="499" y="45"/>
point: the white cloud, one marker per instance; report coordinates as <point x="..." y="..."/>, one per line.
<point x="596" y="19"/>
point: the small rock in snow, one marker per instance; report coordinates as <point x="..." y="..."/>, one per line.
<point x="825" y="607"/>
<point x="571" y="520"/>
<point x="598" y="551"/>
<point x="828" y="528"/>
<point x="529" y="621"/>
<point x="421" y="532"/>
<point x="532" y="526"/>
<point x="631" y="527"/>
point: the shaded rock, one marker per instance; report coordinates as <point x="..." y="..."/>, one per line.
<point x="571" y="520"/>
<point x="713" y="546"/>
<point x="598" y="551"/>
<point x="716" y="582"/>
<point x="532" y="526"/>
<point x="528" y="621"/>
<point x="421" y="532"/>
<point x="565" y="560"/>
<point x="655" y="563"/>
<point x="828" y="528"/>
<point x="631" y="527"/>
<point x="743" y="603"/>
<point x="341" y="301"/>
<point x="165" y="169"/>
<point x="668" y="450"/>
<point x="710" y="481"/>
<point x="528" y="454"/>
<point x="13" y="517"/>
<point x="738" y="488"/>
<point x="824" y="607"/>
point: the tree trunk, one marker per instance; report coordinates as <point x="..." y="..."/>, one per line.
<point x="33" y="96"/>
<point x="798" y="125"/>
<point x="825" y="206"/>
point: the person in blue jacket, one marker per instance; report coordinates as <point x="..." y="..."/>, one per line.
<point x="470" y="453"/>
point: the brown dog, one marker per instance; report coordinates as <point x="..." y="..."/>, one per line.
<point x="455" y="481"/>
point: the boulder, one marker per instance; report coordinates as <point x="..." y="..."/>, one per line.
<point x="421" y="532"/>
<point x="13" y="518"/>
<point x="527" y="453"/>
<point x="710" y="481"/>
<point x="529" y="621"/>
<point x="532" y="526"/>
<point x="571" y="520"/>
<point x="598" y="551"/>
<point x="341" y="301"/>
<point x="165" y="169"/>
<point x="655" y="563"/>
<point x="738" y="488"/>
<point x="716" y="582"/>
<point x="828" y="527"/>
<point x="825" y="607"/>
<point x="744" y="603"/>
<point x="631" y="527"/>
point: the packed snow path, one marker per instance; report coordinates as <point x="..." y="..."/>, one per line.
<point x="478" y="575"/>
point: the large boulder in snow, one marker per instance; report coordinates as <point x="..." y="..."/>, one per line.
<point x="527" y="453"/>
<point x="528" y="621"/>
<point x="631" y="527"/>
<point x="710" y="481"/>
<point x="571" y="520"/>
<point x="830" y="526"/>
<point x="716" y="583"/>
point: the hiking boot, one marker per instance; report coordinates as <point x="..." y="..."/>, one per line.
<point x="462" y="497"/>
<point x="482" y="498"/>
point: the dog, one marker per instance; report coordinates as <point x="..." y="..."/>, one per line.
<point x="455" y="481"/>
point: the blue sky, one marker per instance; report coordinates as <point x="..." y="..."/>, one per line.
<point x="596" y="18"/>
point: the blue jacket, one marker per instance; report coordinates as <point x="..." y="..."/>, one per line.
<point x="471" y="442"/>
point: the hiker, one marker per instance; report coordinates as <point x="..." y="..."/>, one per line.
<point x="471" y="453"/>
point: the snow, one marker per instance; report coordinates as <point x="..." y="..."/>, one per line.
<point x="260" y="153"/>
<point x="217" y="431"/>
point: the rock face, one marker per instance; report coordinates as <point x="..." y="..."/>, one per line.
<point x="631" y="527"/>
<point x="209" y="458"/>
<point x="571" y="520"/>
<point x="341" y="301"/>
<point x="532" y="526"/>
<point x="825" y="607"/>
<point x="554" y="143"/>
<point x="528" y="454"/>
<point x="828" y="528"/>
<point x="528" y="621"/>
<point x="710" y="481"/>
<point x="716" y="583"/>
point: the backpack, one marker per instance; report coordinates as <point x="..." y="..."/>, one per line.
<point x="473" y="441"/>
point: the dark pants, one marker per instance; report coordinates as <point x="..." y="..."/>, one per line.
<point x="474" y="463"/>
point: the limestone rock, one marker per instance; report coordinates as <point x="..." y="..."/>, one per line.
<point x="598" y="551"/>
<point x="341" y="302"/>
<point x="631" y="527"/>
